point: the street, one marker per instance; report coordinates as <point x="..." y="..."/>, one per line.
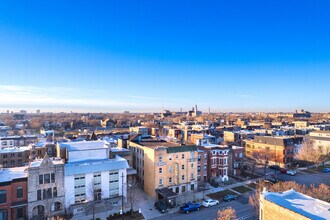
<point x="307" y="178"/>
<point x="241" y="206"/>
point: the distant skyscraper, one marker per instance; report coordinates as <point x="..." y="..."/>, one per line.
<point x="38" y="111"/>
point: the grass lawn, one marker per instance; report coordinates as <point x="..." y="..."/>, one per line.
<point x="241" y="189"/>
<point x="220" y="195"/>
<point x="252" y="185"/>
<point x="311" y="171"/>
<point x="320" y="168"/>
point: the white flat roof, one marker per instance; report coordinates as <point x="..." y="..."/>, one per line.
<point x="84" y="145"/>
<point x="300" y="203"/>
<point x="8" y="174"/>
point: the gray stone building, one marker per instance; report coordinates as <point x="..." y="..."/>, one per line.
<point x="46" y="193"/>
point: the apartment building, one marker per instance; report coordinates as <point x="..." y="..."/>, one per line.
<point x="144" y="131"/>
<point x="291" y="205"/>
<point x="276" y="150"/>
<point x="91" y="176"/>
<point x="13" y="193"/>
<point x="14" y="156"/>
<point x="218" y="161"/>
<point x="237" y="154"/>
<point x="17" y="141"/>
<point x="202" y="167"/>
<point x="164" y="168"/>
<point x="321" y="140"/>
<point x="46" y="192"/>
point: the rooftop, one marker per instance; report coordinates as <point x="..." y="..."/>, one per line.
<point x="9" y="174"/>
<point x="154" y="143"/>
<point x="297" y="202"/>
<point x="14" y="149"/>
<point x="84" y="145"/>
<point x="91" y="166"/>
<point x="37" y="162"/>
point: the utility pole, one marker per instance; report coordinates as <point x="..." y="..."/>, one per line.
<point x="122" y="196"/>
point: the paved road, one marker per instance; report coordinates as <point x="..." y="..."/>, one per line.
<point x="241" y="206"/>
<point x="307" y="179"/>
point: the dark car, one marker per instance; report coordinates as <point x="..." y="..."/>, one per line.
<point x="161" y="206"/>
<point x="284" y="171"/>
<point x="274" y="167"/>
<point x="229" y="198"/>
<point x="271" y="179"/>
<point x="190" y="207"/>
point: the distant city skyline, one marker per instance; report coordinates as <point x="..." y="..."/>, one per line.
<point x="145" y="56"/>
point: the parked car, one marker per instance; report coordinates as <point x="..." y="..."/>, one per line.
<point x="210" y="202"/>
<point x="229" y="198"/>
<point x="161" y="206"/>
<point x="283" y="171"/>
<point x="326" y="170"/>
<point x="271" y="179"/>
<point x="190" y="207"/>
<point x="274" y="167"/>
<point x="291" y="172"/>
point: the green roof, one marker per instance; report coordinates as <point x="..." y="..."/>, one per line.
<point x="182" y="148"/>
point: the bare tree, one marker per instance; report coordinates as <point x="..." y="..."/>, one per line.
<point x="321" y="192"/>
<point x="227" y="214"/>
<point x="308" y="152"/>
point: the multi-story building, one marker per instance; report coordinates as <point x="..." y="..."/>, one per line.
<point x="14" y="156"/>
<point x="218" y="161"/>
<point x="321" y="140"/>
<point x="237" y="155"/>
<point x="202" y="167"/>
<point x="164" y="168"/>
<point x="275" y="150"/>
<point x="144" y="131"/>
<point x="292" y="205"/>
<point x="17" y="141"/>
<point x="46" y="190"/>
<point x="13" y="193"/>
<point x="91" y="176"/>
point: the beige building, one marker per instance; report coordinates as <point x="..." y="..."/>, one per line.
<point x="321" y="140"/>
<point x="292" y="205"/>
<point x="301" y="124"/>
<point x="164" y="168"/>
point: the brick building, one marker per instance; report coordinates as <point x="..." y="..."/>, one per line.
<point x="13" y="193"/>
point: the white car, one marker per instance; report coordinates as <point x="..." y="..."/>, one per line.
<point x="210" y="202"/>
<point x="291" y="172"/>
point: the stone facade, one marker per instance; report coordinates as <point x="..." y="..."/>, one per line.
<point x="46" y="192"/>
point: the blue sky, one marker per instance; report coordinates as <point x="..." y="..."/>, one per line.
<point x="144" y="55"/>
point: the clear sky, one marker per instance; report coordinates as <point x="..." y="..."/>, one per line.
<point x="140" y="56"/>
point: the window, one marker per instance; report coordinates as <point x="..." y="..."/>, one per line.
<point x="39" y="194"/>
<point x="3" y="196"/>
<point x="55" y="192"/>
<point x="47" y="178"/>
<point x="220" y="152"/>
<point x="161" y="181"/>
<point x="160" y="158"/>
<point x="170" y="179"/>
<point x="225" y="161"/>
<point x="205" y="167"/>
<point x="182" y="156"/>
<point x="199" y="169"/>
<point x="170" y="169"/>
<point x="170" y="157"/>
<point x="41" y="179"/>
<point x="19" y="154"/>
<point x="205" y="156"/>
<point x="19" y="191"/>
<point x="182" y="177"/>
<point x="52" y="176"/>
<point x="4" y="214"/>
<point x="182" y="167"/>
<point x="160" y="170"/>
<point x="192" y="176"/>
<point x="192" y="165"/>
<point x="177" y="156"/>
<point x="19" y="213"/>
<point x="183" y="188"/>
<point x="214" y="152"/>
<point x="199" y="157"/>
